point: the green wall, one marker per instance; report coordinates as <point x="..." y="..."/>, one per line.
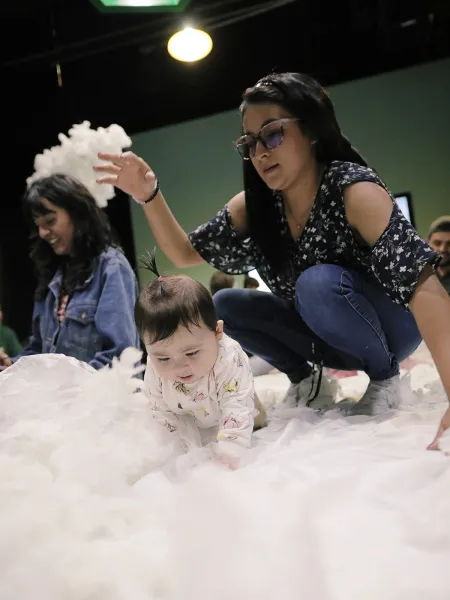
<point x="400" y="122"/>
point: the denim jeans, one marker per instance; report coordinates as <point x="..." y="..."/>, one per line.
<point x="340" y="318"/>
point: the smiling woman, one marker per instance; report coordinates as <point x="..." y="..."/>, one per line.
<point x="86" y="288"/>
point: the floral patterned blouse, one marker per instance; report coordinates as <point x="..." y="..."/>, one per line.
<point x="395" y="261"/>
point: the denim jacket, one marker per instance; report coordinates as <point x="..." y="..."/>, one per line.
<point x="99" y="318"/>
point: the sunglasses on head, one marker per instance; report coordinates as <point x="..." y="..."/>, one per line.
<point x="270" y="136"/>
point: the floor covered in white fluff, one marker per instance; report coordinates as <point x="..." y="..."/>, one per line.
<point x="97" y="504"/>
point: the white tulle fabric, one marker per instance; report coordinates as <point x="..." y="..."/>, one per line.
<point x="97" y="502"/>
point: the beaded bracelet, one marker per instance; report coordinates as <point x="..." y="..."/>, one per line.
<point x="150" y="198"/>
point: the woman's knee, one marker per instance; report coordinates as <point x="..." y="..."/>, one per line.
<point x="240" y="307"/>
<point x="314" y="285"/>
<point x="228" y="302"/>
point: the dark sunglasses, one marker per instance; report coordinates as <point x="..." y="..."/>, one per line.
<point x="270" y="136"/>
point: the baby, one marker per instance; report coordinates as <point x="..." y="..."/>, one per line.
<point x="197" y="377"/>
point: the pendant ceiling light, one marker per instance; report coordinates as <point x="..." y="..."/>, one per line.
<point x="137" y="6"/>
<point x="190" y="45"/>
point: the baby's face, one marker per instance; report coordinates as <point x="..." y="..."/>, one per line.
<point x="188" y="355"/>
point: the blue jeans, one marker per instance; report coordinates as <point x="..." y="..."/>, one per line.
<point x="340" y="318"/>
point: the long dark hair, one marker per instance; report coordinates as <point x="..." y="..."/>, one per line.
<point x="92" y="231"/>
<point x="304" y="98"/>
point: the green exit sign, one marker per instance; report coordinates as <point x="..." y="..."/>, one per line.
<point x="140" y="6"/>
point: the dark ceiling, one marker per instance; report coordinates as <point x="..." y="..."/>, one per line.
<point x="115" y="69"/>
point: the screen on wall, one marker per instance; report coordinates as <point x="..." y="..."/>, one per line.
<point x="404" y="202"/>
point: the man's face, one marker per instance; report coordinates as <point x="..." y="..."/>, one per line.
<point x="440" y="242"/>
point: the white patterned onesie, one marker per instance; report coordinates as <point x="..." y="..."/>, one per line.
<point x="218" y="406"/>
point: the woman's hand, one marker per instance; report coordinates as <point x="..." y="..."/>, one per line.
<point x="443" y="426"/>
<point x="129" y="173"/>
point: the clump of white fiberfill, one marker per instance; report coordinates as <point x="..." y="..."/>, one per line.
<point x="86" y="512"/>
<point x="73" y="443"/>
<point x="77" y="153"/>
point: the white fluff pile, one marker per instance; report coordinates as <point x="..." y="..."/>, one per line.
<point x="98" y="503"/>
<point x="77" y="153"/>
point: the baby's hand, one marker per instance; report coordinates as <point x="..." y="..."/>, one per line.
<point x="231" y="462"/>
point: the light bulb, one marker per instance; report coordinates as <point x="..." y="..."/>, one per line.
<point x="190" y="45"/>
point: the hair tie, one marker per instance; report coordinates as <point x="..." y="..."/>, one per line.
<point x="160" y="278"/>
